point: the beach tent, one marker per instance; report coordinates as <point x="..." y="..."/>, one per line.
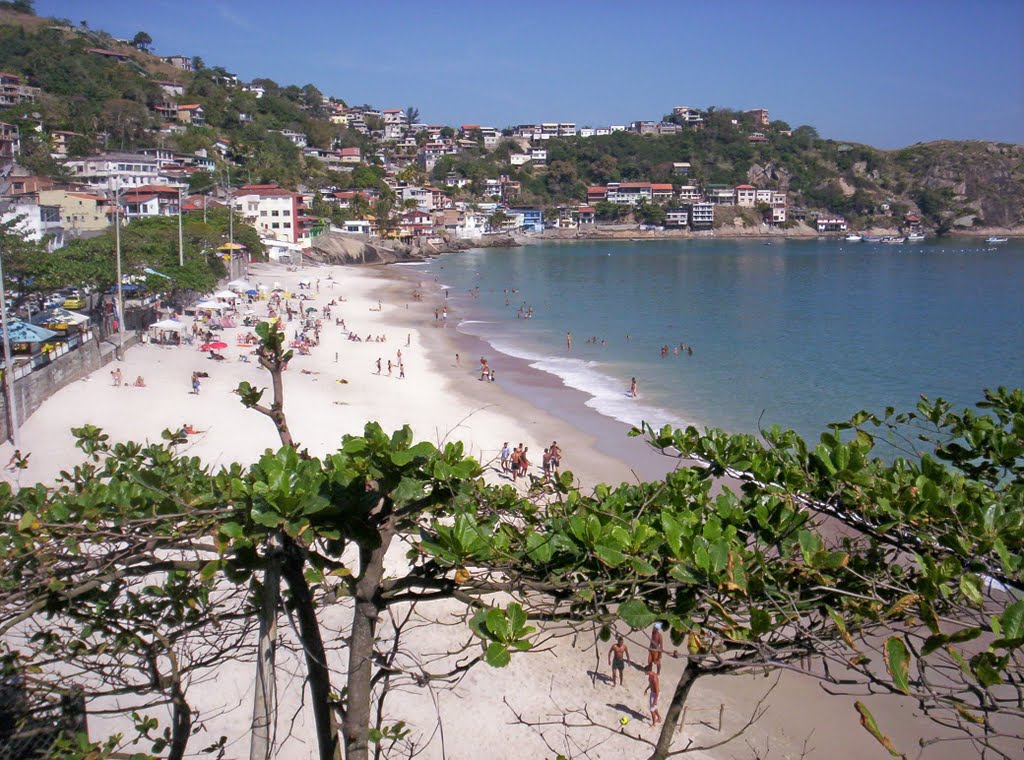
<point x="171" y="325"/>
<point x="211" y="305"/>
<point x="226" y="295"/>
<point x="240" y="286"/>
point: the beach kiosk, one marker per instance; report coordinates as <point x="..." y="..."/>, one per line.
<point x="27" y="339"/>
<point x="62" y="321"/>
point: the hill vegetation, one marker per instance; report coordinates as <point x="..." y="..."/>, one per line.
<point x="110" y="104"/>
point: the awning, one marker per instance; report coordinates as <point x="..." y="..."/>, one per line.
<point x="211" y="305"/>
<point x="59" y="316"/>
<point x="226" y="295"/>
<point x="23" y="332"/>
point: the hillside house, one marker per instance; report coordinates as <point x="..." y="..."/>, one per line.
<point x="760" y="117"/>
<point x="689" y="193"/>
<point x="110" y="171"/>
<point x="662" y="193"/>
<point x="702" y="216"/>
<point x="681" y="168"/>
<point x="171" y="89"/>
<point x="350" y="156"/>
<point x="296" y="138"/>
<point x="37" y="222"/>
<point x="13" y="91"/>
<point x="10" y="140"/>
<point x="596" y="194"/>
<point x="757" y="137"/>
<point x="182" y="62"/>
<point x="532" y="218"/>
<point x="60" y="142"/>
<point x="721" y="195"/>
<point x="192" y="114"/>
<point x="80" y="213"/>
<point x="746" y="196"/>
<point x="111" y="54"/>
<point x="630" y="193"/>
<point x="677" y="217"/>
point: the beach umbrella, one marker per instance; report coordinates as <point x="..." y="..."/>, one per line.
<point x="252" y="292"/>
<point x="231" y="247"/>
<point x="168" y="324"/>
<point x="309" y="309"/>
<point x="239" y="285"/>
<point x="226" y="295"/>
<point x="261" y="286"/>
<point x="210" y="305"/>
<point x="216" y="345"/>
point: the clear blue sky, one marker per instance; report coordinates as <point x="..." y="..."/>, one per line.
<point x="886" y="73"/>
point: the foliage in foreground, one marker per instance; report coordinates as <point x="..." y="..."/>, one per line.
<point x="143" y="567"/>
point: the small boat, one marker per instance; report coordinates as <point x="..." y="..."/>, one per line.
<point x="853" y="237"/>
<point x="994" y="239"/>
<point x="872" y="239"/>
<point x="915" y="237"/>
<point x="892" y="239"/>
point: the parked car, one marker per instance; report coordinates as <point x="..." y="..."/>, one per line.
<point x="75" y="300"/>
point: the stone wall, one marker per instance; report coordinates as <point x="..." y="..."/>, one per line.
<point x="32" y="390"/>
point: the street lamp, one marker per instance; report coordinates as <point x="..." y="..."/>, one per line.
<point x="12" y="406"/>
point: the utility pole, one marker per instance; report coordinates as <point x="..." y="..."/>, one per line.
<point x="181" y="237"/>
<point x="12" y="406"/>
<point x="120" y="294"/>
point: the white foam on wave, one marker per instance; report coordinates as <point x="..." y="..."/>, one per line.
<point x="609" y="396"/>
<point x="409" y="263"/>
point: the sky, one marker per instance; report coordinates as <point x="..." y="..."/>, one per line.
<point x="885" y="73"/>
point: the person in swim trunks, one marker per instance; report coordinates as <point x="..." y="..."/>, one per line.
<point x="618" y="656"/>
<point x="654" y="687"/>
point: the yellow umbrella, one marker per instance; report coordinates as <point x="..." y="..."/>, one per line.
<point x="231" y="247"/>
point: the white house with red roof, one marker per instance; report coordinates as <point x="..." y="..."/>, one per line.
<point x="192" y="113"/>
<point x="746" y="196"/>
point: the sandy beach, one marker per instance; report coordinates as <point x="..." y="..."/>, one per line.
<point x="336" y="390"/>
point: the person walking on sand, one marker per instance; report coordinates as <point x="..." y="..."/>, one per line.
<point x="401" y="370"/>
<point x="195" y="383"/>
<point x="618" y="655"/>
<point x="632" y="388"/>
<point x="568" y="341"/>
<point x="654" y="687"/>
<point x="506" y="452"/>
<point x="378" y="365"/>
<point x="389" y="368"/>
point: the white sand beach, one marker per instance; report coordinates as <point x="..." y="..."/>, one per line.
<point x="441" y="401"/>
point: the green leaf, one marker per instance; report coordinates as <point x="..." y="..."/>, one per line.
<point x="970" y="585"/>
<point x="516" y="618"/>
<point x="266" y="519"/>
<point x="497" y="624"/>
<point x="209" y="570"/>
<point x="635" y="614"/>
<point x="867" y="720"/>
<point x="375" y="735"/>
<point x="897" y="662"/>
<point x="231" y="529"/>
<point x="497" y="655"/>
<point x="1013" y="621"/>
<point x="760" y="622"/>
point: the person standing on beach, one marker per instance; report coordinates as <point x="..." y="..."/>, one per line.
<point x="655" y="648"/>
<point x="618" y="655"/>
<point x="195" y="383"/>
<point x="378" y="365"/>
<point x="506" y="452"/>
<point x="389" y="368"/>
<point x="568" y="341"/>
<point x="401" y="370"/>
<point x="457" y="363"/>
<point x="632" y="387"/>
<point x="654" y="687"/>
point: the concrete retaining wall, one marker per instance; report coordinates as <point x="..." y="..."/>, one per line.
<point x="32" y="390"/>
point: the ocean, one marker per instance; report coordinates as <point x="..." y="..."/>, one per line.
<point x="794" y="332"/>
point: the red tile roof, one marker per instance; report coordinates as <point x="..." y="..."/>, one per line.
<point x="662" y="187"/>
<point x="189" y="107"/>
<point x="744" y="187"/>
<point x="634" y="185"/>
<point x="591" y="190"/>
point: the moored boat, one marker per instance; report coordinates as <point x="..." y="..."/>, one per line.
<point x="994" y="239"/>
<point x="915" y="237"/>
<point x="853" y="237"/>
<point x="872" y="238"/>
<point x="892" y="239"/>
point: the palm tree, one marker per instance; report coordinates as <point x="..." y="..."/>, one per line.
<point x="412" y="115"/>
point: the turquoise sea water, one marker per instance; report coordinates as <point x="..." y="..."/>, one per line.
<point x="803" y="332"/>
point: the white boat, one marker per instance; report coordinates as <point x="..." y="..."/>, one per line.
<point x="915" y="237"/>
<point x="853" y="237"/>
<point x="994" y="239"/>
<point x="892" y="239"/>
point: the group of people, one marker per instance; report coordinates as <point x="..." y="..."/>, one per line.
<point x="117" y="378"/>
<point x="391" y="366"/>
<point x="618" y="656"/>
<point x="677" y="350"/>
<point x="516" y="461"/>
<point x="486" y="372"/>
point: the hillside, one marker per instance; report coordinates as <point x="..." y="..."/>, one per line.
<point x="111" y="104"/>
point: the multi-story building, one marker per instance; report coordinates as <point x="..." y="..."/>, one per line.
<point x="586" y="132"/>
<point x="681" y="168"/>
<point x="760" y="116"/>
<point x="296" y="138"/>
<point x="10" y="141"/>
<point x="112" y="171"/>
<point x="720" y="195"/>
<point x="80" y="213"/>
<point x="171" y="89"/>
<point x="677" y="217"/>
<point x="37" y="222"/>
<point x="14" y="91"/>
<point x="644" y="127"/>
<point x="394" y="116"/>
<point x="275" y="212"/>
<point x="596" y="194"/>
<point x="702" y="216"/>
<point x="351" y="156"/>
<point x="539" y="156"/>
<point x="192" y="113"/>
<point x="630" y="193"/>
<point x="257" y="91"/>
<point x="533" y="218"/>
<point x="182" y="62"/>
<point x="746" y="196"/>
<point x="669" y="128"/>
<point x="689" y="193"/>
<point x="661" y="193"/>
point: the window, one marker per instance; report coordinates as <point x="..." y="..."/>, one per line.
<point x="287" y="225"/>
<point x="286" y="212"/>
<point x="263" y="212"/>
<point x="275" y="225"/>
<point x="275" y="212"/>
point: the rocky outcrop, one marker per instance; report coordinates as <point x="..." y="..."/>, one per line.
<point x="339" y="248"/>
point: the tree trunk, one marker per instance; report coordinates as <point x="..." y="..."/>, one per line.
<point x="263" y="704"/>
<point x="675" y="710"/>
<point x="317" y="673"/>
<point x="356" y="726"/>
